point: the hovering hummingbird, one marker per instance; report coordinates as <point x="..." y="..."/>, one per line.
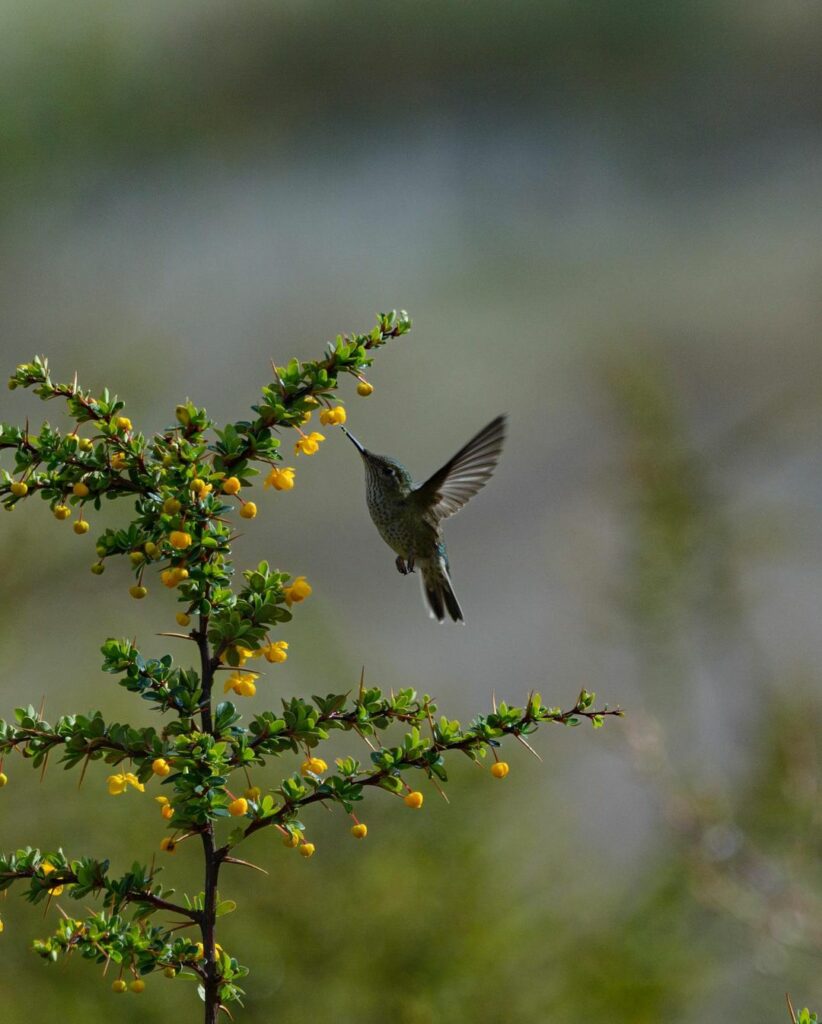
<point x="409" y="516"/>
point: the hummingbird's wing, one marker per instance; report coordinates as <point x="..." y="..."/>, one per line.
<point x="461" y="477"/>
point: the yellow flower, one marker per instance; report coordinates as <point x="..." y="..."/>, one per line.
<point x="61" y="512"/>
<point x="275" y="653"/>
<point x="123" y="423"/>
<point x="231" y="486"/>
<point x="120" y="782"/>
<point x="179" y="539"/>
<point x="313" y="766"/>
<point x="19" y="489"/>
<point x="3" y="779"/>
<point x="200" y="487"/>
<point x="171" y="577"/>
<point x="242" y="683"/>
<point x="280" y="479"/>
<point x="81" y="527"/>
<point x="48" y="868"/>
<point x="309" y="445"/>
<point x="237" y="808"/>
<point x="161" y="767"/>
<point x="119" y="986"/>
<point x="499" y="769"/>
<point x="118" y="461"/>
<point x="297" y="591"/>
<point x="138" y="985"/>
<point x="333" y="417"/>
<point x="307" y="850"/>
<point x="171" y="506"/>
<point x="292" y="839"/>
<point x="183" y="619"/>
<point x="2" y="926"/>
<point x="80" y="489"/>
<point x="364" y="389"/>
<point x="137" y="592"/>
<point x="167" y="845"/>
<point x="167" y="812"/>
<point x="414" y="800"/>
<point x="359" y="831"/>
<point x="136" y="558"/>
<point x="150" y="548"/>
<point x="248" y="510"/>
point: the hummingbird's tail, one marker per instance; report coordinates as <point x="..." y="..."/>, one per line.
<point x="437" y="590"/>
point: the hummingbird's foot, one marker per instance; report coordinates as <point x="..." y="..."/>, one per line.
<point x="410" y="564"/>
<point x="401" y="566"/>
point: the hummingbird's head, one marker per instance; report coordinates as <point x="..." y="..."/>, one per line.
<point x="382" y="473"/>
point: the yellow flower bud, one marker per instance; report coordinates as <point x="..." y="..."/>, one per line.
<point x="237" y="808"/>
<point x="248" y="510"/>
<point x="292" y="839"/>
<point x="3" y="779"/>
<point x="364" y="389"/>
<point x="167" y="845"/>
<point x="123" y="423"/>
<point x="169" y="972"/>
<point x="138" y="985"/>
<point x="19" y="488"/>
<point x="61" y="512"/>
<point x="183" y="619"/>
<point x="119" y="986"/>
<point x="150" y="549"/>
<point x="98" y="568"/>
<point x="80" y="489"/>
<point x="414" y="799"/>
<point x="307" y="850"/>
<point x="253" y="793"/>
<point x="118" y="461"/>
<point x="161" y="767"/>
<point x="171" y="506"/>
<point x="200" y="487"/>
<point x="359" y="831"/>
<point x="499" y="769"/>
<point x="231" y="486"/>
<point x="137" y="592"/>
<point x="136" y="558"/>
<point x="81" y="527"/>
<point x="85" y="445"/>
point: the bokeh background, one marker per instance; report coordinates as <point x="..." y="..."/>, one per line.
<point x="606" y="219"/>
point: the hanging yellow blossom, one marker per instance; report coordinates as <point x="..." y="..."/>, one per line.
<point x="333" y="417"/>
<point x="309" y="445"/>
<point x="120" y="782"/>
<point x="275" y="653"/>
<point x="297" y="591"/>
<point x="280" y="479"/>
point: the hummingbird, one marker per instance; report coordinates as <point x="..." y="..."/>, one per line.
<point x="409" y="516"/>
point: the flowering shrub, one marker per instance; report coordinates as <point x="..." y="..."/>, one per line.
<point x="183" y="485"/>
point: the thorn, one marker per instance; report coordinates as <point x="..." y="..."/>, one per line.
<point x="527" y="746"/>
<point x="74" y="385"/>
<point x="790" y="1008"/>
<point x="494" y="700"/>
<point x="365" y="739"/>
<point x="244" y="864"/>
<point x="45" y="765"/>
<point x="439" y="788"/>
<point x="362" y="684"/>
<point x="180" y="636"/>
<point x="42" y="707"/>
<point x="83" y="770"/>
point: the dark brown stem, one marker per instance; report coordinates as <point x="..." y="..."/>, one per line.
<point x="208" y="917"/>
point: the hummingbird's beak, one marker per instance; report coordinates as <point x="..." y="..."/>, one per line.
<point x="353" y="440"/>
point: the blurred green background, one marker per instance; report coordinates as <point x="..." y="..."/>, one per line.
<point x="606" y="219"/>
